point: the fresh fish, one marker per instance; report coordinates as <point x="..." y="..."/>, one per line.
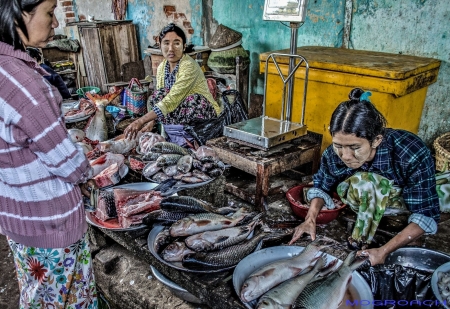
<point x="160" y="177"/>
<point x="169" y="148"/>
<point x="184" y="165"/>
<point x="180" y="175"/>
<point x="206" y="154"/>
<point x="119" y="144"/>
<point x="203" y="222"/>
<point x="170" y="170"/>
<point x="163" y="216"/>
<point x="285" y="294"/>
<point x="276" y="272"/>
<point x="76" y="135"/>
<point x="329" y="292"/>
<point x="147" y="140"/>
<point x="216" y="240"/>
<point x="199" y="174"/>
<point x="186" y="204"/>
<point x="162" y="239"/>
<point x="224" y="258"/>
<point x="96" y="129"/>
<point x="150" y="169"/>
<point x="175" y="252"/>
<point x="168" y="159"/>
<point x="191" y="179"/>
<point x="150" y="156"/>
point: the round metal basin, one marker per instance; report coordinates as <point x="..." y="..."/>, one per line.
<point x="175" y="288"/>
<point x="419" y="258"/>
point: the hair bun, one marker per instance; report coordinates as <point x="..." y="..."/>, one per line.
<point x="355" y="94"/>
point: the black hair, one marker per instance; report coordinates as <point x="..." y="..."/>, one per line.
<point x="172" y="28"/>
<point x="34" y="53"/>
<point x="358" y="116"/>
<point x="11" y="18"/>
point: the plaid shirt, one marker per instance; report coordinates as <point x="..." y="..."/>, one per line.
<point x="402" y="157"/>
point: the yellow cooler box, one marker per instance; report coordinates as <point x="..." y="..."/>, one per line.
<point x="398" y="84"/>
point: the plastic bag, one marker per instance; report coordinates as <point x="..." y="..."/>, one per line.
<point x="397" y="282"/>
<point x="203" y="130"/>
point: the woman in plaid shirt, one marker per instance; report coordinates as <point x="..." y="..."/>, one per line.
<point x="376" y="171"/>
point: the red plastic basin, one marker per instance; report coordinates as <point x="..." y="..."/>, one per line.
<point x="300" y="208"/>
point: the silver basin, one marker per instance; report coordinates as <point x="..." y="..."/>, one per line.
<point x="174" y="288"/>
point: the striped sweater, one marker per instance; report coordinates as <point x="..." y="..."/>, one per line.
<point x="40" y="168"/>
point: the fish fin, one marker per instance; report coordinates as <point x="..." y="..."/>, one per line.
<point x="326" y="270"/>
<point x="354" y="261"/>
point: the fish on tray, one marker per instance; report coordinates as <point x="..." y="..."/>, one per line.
<point x="203" y="222"/>
<point x="329" y="292"/>
<point x="105" y="161"/>
<point x="285" y="294"/>
<point x="217" y="240"/>
<point x="163" y="216"/>
<point x="175" y="252"/>
<point x="227" y="257"/>
<point x="169" y="148"/>
<point x="265" y="278"/>
<point x="185" y="204"/>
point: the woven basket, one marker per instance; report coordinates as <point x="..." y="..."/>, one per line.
<point x="442" y="147"/>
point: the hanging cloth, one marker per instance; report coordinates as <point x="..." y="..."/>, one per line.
<point x="369" y="194"/>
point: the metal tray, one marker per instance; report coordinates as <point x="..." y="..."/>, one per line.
<point x="177" y="265"/>
<point x="113" y="224"/>
<point x="358" y="288"/>
<point x="434" y="278"/>
<point x="417" y="257"/>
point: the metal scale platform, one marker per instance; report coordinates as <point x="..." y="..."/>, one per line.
<point x="265" y="132"/>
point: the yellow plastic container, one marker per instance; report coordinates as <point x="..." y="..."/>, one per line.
<point x="398" y="84"/>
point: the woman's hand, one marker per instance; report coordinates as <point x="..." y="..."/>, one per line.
<point x="376" y="255"/>
<point x="133" y="128"/>
<point x="87" y="187"/>
<point x="148" y="127"/>
<point x="307" y="227"/>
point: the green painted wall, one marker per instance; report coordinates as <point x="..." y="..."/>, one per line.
<point x="413" y="27"/>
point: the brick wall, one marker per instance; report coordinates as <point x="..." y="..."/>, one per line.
<point x="179" y="18"/>
<point x="67" y="8"/>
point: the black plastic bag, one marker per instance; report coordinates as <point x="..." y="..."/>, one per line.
<point x="203" y="130"/>
<point x="394" y="285"/>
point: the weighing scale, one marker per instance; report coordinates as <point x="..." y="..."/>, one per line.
<point x="265" y="132"/>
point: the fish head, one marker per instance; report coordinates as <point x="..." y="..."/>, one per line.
<point x="174" y="252"/>
<point x="178" y="228"/>
<point x="251" y="289"/>
<point x="269" y="303"/>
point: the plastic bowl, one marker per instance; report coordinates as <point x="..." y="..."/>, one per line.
<point x="300" y="208"/>
<point x="83" y="90"/>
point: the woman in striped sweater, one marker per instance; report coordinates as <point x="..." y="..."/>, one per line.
<point x="42" y="173"/>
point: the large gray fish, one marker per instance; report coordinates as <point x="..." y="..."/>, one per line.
<point x="168" y="159"/>
<point x="186" y="204"/>
<point x="284" y="295"/>
<point x="203" y="222"/>
<point x="279" y="271"/>
<point x="224" y="258"/>
<point x="175" y="252"/>
<point x="163" y="216"/>
<point x="217" y="240"/>
<point x="166" y="147"/>
<point x="329" y="292"/>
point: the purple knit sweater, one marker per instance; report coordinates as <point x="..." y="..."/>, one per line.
<point x="40" y="168"/>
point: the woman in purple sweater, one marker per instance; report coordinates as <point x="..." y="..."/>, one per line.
<point x="42" y="173"/>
